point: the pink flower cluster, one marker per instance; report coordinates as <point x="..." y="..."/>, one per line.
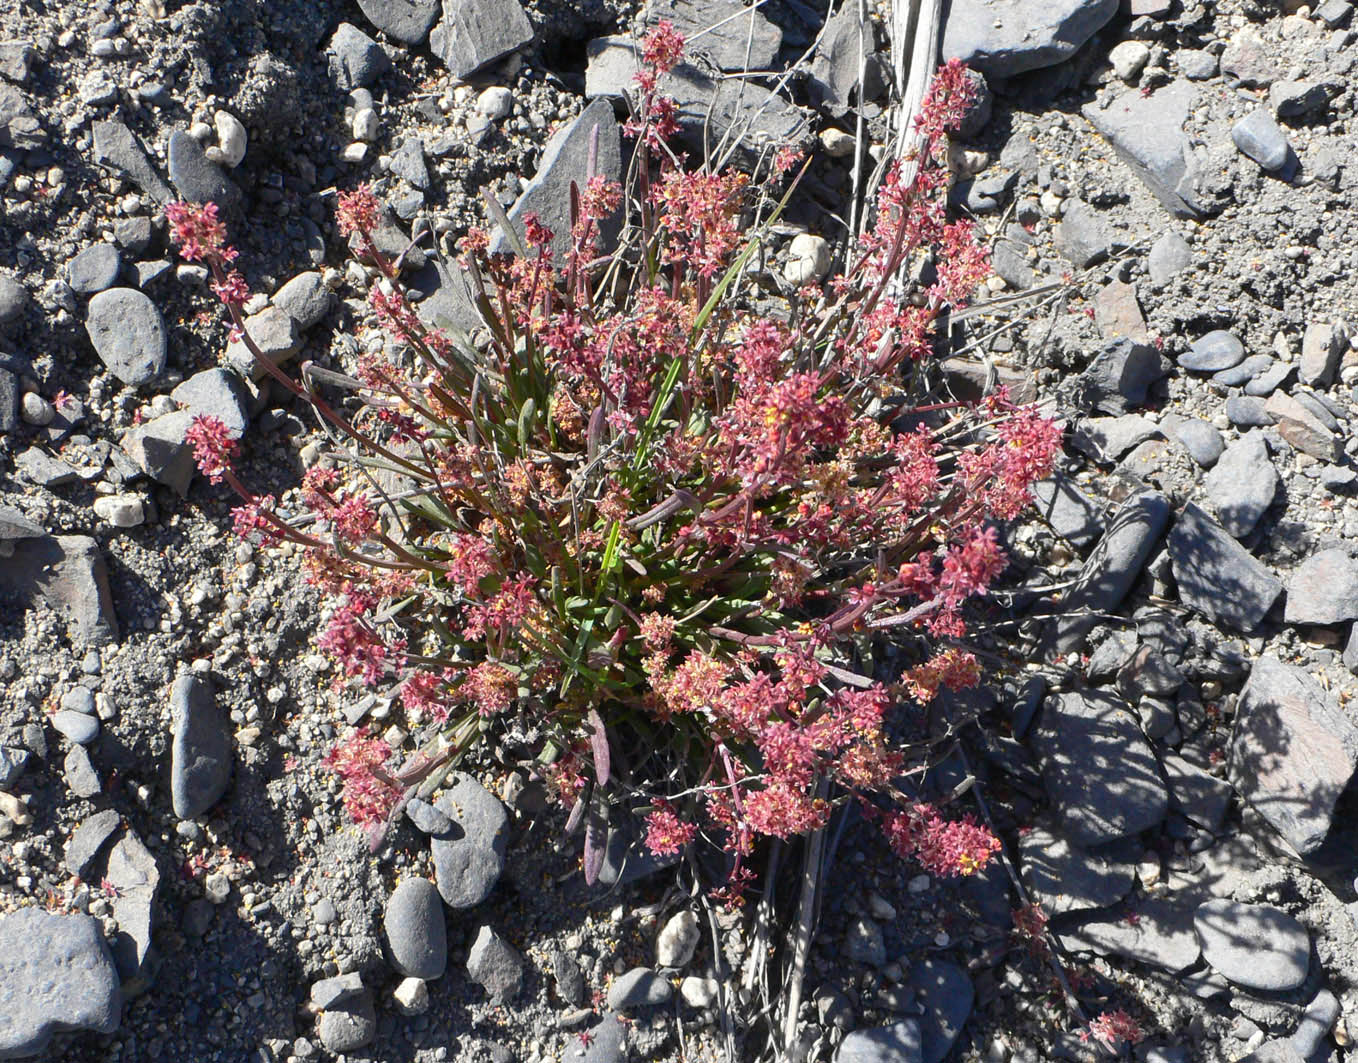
<point x="945" y="847"/>
<point x="1113" y="1029"/>
<point x="369" y="792"/>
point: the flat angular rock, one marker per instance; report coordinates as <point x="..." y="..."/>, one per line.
<point x="1001" y="38"/>
<point x="1112" y="567"/>
<point x="1322" y="346"/>
<point x="1203" y="798"/>
<point x="349" y="1026"/>
<point x="901" y="1042"/>
<point x="128" y="335"/>
<point x="69" y="573"/>
<point x="1067" y="878"/>
<point x="1292" y="751"/>
<point x="13" y="298"/>
<point x="407" y="21"/>
<point x="838" y="58"/>
<point x="1250" y="59"/>
<point x="200" y="757"/>
<point x="1120" y="376"/>
<point x="135" y="878"/>
<point x="356" y="59"/>
<point x="94" y="269"/>
<point x="566" y="159"/>
<point x="1323" y="589"/>
<point x="339" y="989"/>
<point x="1083" y="236"/>
<point x="1099" y="771"/>
<point x="195" y="177"/>
<point x="1257" y="135"/>
<point x="55" y="974"/>
<point x="19" y="127"/>
<point x="1243" y="484"/>
<point x="1147" y="132"/>
<point x="158" y="447"/>
<point x="1302" y="429"/>
<point x="1213" y="352"/>
<point x="1216" y="575"/>
<point x="496" y="966"/>
<point x="117" y="147"/>
<point x="1161" y="935"/>
<point x="945" y="992"/>
<point x="216" y="393"/>
<point x="1202" y="440"/>
<point x="468" y="863"/>
<point x="415" y="930"/>
<point x="737" y="26"/>
<point x="274" y="332"/>
<point x="474" y="33"/>
<point x="1170" y="255"/>
<point x="1253" y="945"/>
<point x="1106" y="439"/>
<point x="638" y="988"/>
<point x="1073" y="515"/>
<point x="88" y="839"/>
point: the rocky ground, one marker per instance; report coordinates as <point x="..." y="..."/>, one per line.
<point x="1168" y="746"/>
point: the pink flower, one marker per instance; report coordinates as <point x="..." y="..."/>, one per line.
<point x="944" y="847"/>
<point x="369" y="794"/>
<point x="1113" y="1028"/>
<point x="663" y="48"/>
<point x="491" y="687"/>
<point x="666" y="833"/>
<point x="232" y="289"/>
<point x="358" y="212"/>
<point x="422" y="696"/>
<point x="213" y="446"/>
<point x="198" y="232"/>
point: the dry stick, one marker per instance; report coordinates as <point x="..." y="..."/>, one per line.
<point x="806" y="917"/>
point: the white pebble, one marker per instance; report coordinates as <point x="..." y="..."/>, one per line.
<point x="411" y="996"/>
<point x="496" y="102"/>
<point x="121" y="511"/>
<point x="698" y="992"/>
<point x="837" y="143"/>
<point x="1128" y="59"/>
<point x="808" y="259"/>
<point x="674" y="947"/>
<point x="231" y="138"/>
<point x="354" y="152"/>
<point x="365" y="124"/>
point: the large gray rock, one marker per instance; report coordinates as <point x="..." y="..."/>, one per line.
<point x="274" y="332"/>
<point x="1302" y="429"/>
<point x="69" y="573"/>
<point x="1323" y="589"/>
<point x="1072" y="514"/>
<point x="640" y="987"/>
<point x="133" y="874"/>
<point x="1169" y="256"/>
<point x="898" y="1043"/>
<point x="160" y="449"/>
<point x="408" y="21"/>
<point x="200" y="756"/>
<point x="416" y="934"/>
<point x="1001" y="38"/>
<point x="128" y="335"/>
<point x="1147" y="132"/>
<point x="1292" y="751"/>
<point x="1322" y="346"/>
<point x="94" y="269"/>
<point x="468" y="862"/>
<point x="1193" y="793"/>
<point x="1161" y="935"/>
<point x="349" y="1026"/>
<point x="1083" y="236"/>
<point x="1216" y="575"/>
<point x="839" y="56"/>
<point x="721" y="31"/>
<point x="1258" y="136"/>
<point x="1242" y="484"/>
<point x="305" y="299"/>
<point x="196" y="177"/>
<point x="474" y="33"/>
<point x="1120" y="376"/>
<point x="116" y="146"/>
<point x="355" y="58"/>
<point x="945" y="992"/>
<point x="711" y="113"/>
<point x="495" y="965"/>
<point x="1066" y="878"/>
<point x="565" y="159"/>
<point x="1253" y="945"/>
<point x="13" y="298"/>
<point x="1099" y="771"/>
<point x="19" y="126"/>
<point x="217" y="393"/>
<point x="88" y="839"/>
<point x="55" y="974"/>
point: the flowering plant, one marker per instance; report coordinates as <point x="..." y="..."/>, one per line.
<point x="634" y="512"/>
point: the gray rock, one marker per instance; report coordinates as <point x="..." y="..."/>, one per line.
<point x="128" y="335"/>
<point x="339" y="989"/>
<point x="407" y="163"/>
<point x="76" y="726"/>
<point x="1250" y="58"/>
<point x="1161" y="935"/>
<point x="1001" y="38"/>
<point x="1099" y="772"/>
<point x="468" y="863"/>
<point x="1112" y="567"/>
<point x="1149" y="674"/>
<point x="496" y="967"/>
<point x="446" y="299"/>
<point x="305" y="299"/>
<point x="355" y="58"/>
<point x="474" y="33"/>
<point x="1243" y="484"/>
<point x="565" y="159"/>
<point x="726" y="44"/>
<point x="839" y="56"/>
<point x="69" y="573"/>
<point x="863" y="943"/>
<point x="216" y="393"/>
<point x="427" y="818"/>
<point x="13" y="298"/>
<point x="1257" y="135"/>
<point x="1216" y="575"/>
<point x="195" y="177"/>
<point x="1274" y="1051"/>
<point x="15" y="59"/>
<point x="1334" y="13"/>
<point x="116" y="146"/>
<point x="1323" y="589"/>
<point x="1073" y="515"/>
<point x="1083" y="236"/>
<point x="1105" y="439"/>
<point x="19" y="127"/>
<point x="1066" y="878"/>
<point x="1147" y="132"/>
<point x="274" y="332"/>
<point x="1292" y="751"/>
<point x="14" y="526"/>
<point x="1120" y="376"/>
<point x="348" y="1027"/>
<point x="1213" y="352"/>
<point x="945" y="992"/>
<point x="1268" y="382"/>
<point x="94" y="269"/>
<point x="1251" y="367"/>
<point x="135" y="878"/>
<point x="159" y="449"/>
<point x="1169" y="256"/>
<point x="1316" y="1023"/>
<point x="198" y="915"/>
<point x="415" y="929"/>
<point x="1296" y="99"/>
<point x="12" y="763"/>
<point x="709" y="112"/>
<point x="88" y="839"/>
<point x="1322" y="345"/>
<point x="1350" y="655"/>
<point x="78" y="771"/>
<point x="1201" y="439"/>
<point x="1009" y="260"/>
<point x="407" y="21"/>
<point x="901" y="1042"/>
<point x="1253" y="945"/>
<point x="9" y="402"/>
<point x="1302" y="429"/>
<point x="133" y="235"/>
<point x="55" y="974"/>
<point x="1195" y="64"/>
<point x="638" y="988"/>
<point x="1247" y="412"/>
<point x="1200" y="797"/>
<point x="200" y="757"/>
<point x="39" y="467"/>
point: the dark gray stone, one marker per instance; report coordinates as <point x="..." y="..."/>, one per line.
<point x="496" y="967"/>
<point x="726" y="44"/>
<point x="901" y="1042"/>
<point x="274" y="333"/>
<point x="565" y="159"/>
<point x="1216" y="575"/>
<point x="1203" y="798"/>
<point x="135" y="878"/>
<point x="1066" y="878"/>
<point x="68" y="571"/>
<point x="1323" y="589"/>
<point x="1296" y="99"/>
<point x="13" y="298"/>
<point x="1322" y="346"/>
<point x="1316" y="1023"/>
<point x="1072" y="514"/>
<point x="838" y="59"/>
<point x="116" y="146"/>
<point x="94" y="269"/>
<point x="76" y="726"/>
<point x="1243" y="484"/>
<point x="12" y="762"/>
<point x="407" y="163"/>
<point x="160" y="450"/>
<point x="1120" y="376"/>
<point x="1201" y="439"/>
<point x="1253" y="945"/>
<point x="1083" y="236"/>
<point x="88" y="839"/>
<point x="55" y="974"/>
<point x="334" y="991"/>
<point x="1257" y="135"/>
<point x="9" y="402"/>
<point x="200" y="758"/>
<point x="1248" y="412"/>
<point x="1001" y="38"/>
<point x="356" y="59"/>
<point x="1195" y="64"/>
<point x="216" y="393"/>
<point x="133" y="235"/>
<point x="945" y="992"/>
<point x="1106" y="439"/>
<point x="863" y="943"/>
<point x="19" y="126"/>
<point x="1213" y="352"/>
<point x="408" y="21"/>
<point x="1292" y="751"/>
<point x="1241" y="374"/>
<point x="349" y="1026"/>
<point x="427" y="818"/>
<point x="39" y="467"/>
<point x="474" y="33"/>
<point x="416" y="934"/>
<point x="128" y="335"/>
<point x="468" y="862"/>
<point x="1350" y="655"/>
<point x="305" y="299"/>
<point x="638" y="988"/>
<point x="1161" y="935"/>
<point x="195" y="177"/>
<point x="1169" y="256"/>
